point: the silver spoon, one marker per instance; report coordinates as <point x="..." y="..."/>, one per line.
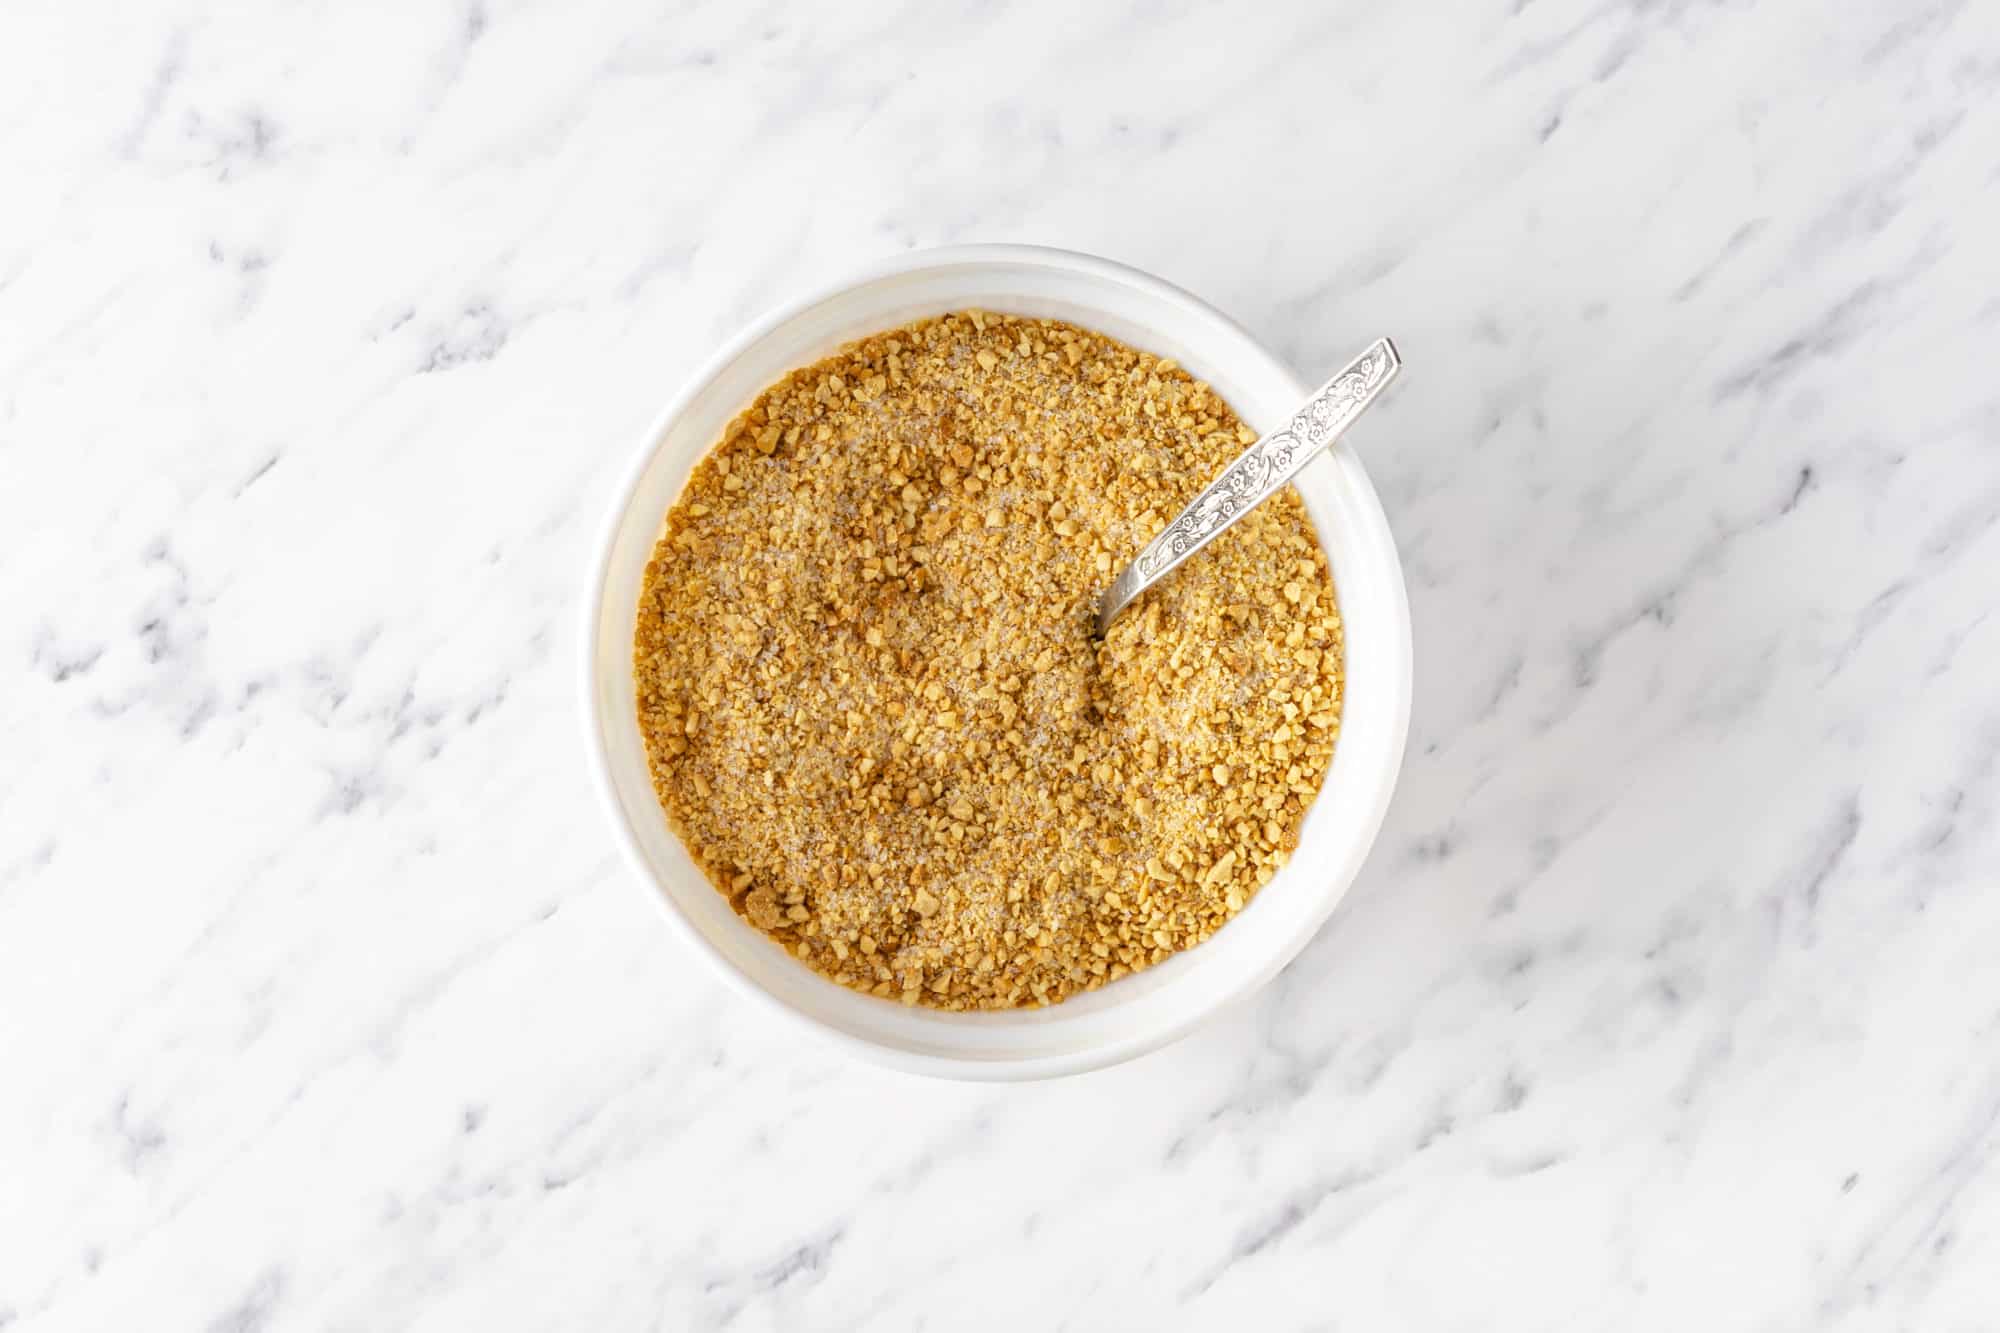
<point x="1255" y="474"/>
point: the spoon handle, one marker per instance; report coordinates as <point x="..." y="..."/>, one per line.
<point x="1255" y="474"/>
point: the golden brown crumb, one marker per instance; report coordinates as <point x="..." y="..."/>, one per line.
<point x="870" y="696"/>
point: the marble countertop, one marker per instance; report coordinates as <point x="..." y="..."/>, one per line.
<point x="1668" y="999"/>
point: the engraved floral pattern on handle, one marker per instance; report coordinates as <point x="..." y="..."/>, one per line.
<point x="1258" y="471"/>
<point x="1270" y="462"/>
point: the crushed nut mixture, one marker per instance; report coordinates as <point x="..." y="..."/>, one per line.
<point x="870" y="695"/>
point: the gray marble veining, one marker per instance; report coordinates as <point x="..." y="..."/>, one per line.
<point x="1667" y="1000"/>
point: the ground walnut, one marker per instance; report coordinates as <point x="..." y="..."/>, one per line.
<point x="872" y="703"/>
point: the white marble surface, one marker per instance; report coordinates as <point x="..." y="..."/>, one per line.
<point x="1669" y="999"/>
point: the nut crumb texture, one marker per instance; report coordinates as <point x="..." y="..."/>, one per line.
<point x="871" y="700"/>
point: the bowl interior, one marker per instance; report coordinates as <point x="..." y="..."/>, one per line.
<point x="1151" y="1007"/>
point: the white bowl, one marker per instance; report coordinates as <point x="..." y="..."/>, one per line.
<point x="1147" y="1009"/>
